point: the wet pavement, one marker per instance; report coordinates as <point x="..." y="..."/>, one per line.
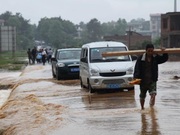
<point x="39" y="104"/>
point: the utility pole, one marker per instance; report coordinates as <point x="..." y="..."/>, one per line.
<point x="0" y="40"/>
<point x="13" y="41"/>
<point x="175" y="5"/>
<point x="129" y="37"/>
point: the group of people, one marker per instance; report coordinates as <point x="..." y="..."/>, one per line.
<point x="39" y="56"/>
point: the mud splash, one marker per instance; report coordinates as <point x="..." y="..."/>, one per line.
<point x="24" y="112"/>
<point x="31" y="114"/>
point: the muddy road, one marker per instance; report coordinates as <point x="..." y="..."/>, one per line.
<point x="41" y="105"/>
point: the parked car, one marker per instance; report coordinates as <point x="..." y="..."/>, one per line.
<point x="97" y="72"/>
<point x="65" y="63"/>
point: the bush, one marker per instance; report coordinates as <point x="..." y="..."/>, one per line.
<point x="10" y="61"/>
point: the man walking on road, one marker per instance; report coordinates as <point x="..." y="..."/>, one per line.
<point x="34" y="52"/>
<point x="29" y="55"/>
<point x="146" y="69"/>
<point x="44" y="55"/>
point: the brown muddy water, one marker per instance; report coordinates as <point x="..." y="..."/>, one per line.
<point x="40" y="105"/>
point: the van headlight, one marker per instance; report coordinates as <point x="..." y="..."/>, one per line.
<point x="94" y="72"/>
<point x="60" y="64"/>
<point x="130" y="70"/>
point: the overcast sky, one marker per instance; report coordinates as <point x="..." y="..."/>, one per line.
<point x="85" y="10"/>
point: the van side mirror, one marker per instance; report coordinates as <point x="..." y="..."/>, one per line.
<point x="133" y="57"/>
<point x="84" y="60"/>
<point x="53" y="59"/>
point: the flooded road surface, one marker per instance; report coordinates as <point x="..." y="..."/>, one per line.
<point x="41" y="105"/>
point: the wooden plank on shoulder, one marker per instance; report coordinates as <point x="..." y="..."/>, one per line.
<point x="139" y="52"/>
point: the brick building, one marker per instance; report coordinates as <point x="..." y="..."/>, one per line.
<point x="170" y="29"/>
<point x="132" y="39"/>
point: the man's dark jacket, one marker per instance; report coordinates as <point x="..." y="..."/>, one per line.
<point x="139" y="70"/>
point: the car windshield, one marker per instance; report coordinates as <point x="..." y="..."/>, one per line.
<point x="69" y="54"/>
<point x="96" y="55"/>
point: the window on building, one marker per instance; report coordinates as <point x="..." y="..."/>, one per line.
<point x="153" y="22"/>
<point x="164" y="23"/>
<point x="154" y="27"/>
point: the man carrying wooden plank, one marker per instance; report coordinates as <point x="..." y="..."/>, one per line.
<point x="146" y="69"/>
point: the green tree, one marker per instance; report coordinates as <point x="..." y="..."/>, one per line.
<point x="24" y="30"/>
<point x="145" y="25"/>
<point x="114" y="28"/>
<point x="94" y="30"/>
<point x="157" y="42"/>
<point x="120" y="27"/>
<point x="60" y="33"/>
<point x="42" y="29"/>
<point x="109" y="28"/>
<point x="138" y="20"/>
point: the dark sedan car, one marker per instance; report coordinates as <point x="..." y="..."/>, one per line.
<point x="65" y="63"/>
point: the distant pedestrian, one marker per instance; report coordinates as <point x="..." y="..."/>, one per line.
<point x="29" y="55"/>
<point x="39" y="56"/>
<point x="34" y="52"/>
<point x="49" y="55"/>
<point x="44" y="55"/>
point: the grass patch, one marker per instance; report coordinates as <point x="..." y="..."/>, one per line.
<point x="13" y="61"/>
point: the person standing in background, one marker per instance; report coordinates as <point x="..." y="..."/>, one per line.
<point x="49" y="55"/>
<point x="29" y="55"/>
<point x="34" y="52"/>
<point x="39" y="56"/>
<point x="44" y="55"/>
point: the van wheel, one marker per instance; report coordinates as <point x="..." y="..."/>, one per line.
<point x="81" y="83"/>
<point x="91" y="90"/>
<point x="132" y="88"/>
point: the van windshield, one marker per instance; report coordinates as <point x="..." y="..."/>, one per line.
<point x="96" y="54"/>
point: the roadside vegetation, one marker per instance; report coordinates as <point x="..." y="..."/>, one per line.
<point x="60" y="33"/>
<point x="13" y="61"/>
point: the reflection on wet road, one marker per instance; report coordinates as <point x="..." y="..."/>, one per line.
<point x="149" y="123"/>
<point x="110" y="100"/>
<point x="106" y="113"/>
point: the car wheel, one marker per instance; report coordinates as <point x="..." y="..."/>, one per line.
<point x="91" y="90"/>
<point x="53" y="74"/>
<point x="57" y="75"/>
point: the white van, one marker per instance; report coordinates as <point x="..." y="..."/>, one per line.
<point x="97" y="72"/>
